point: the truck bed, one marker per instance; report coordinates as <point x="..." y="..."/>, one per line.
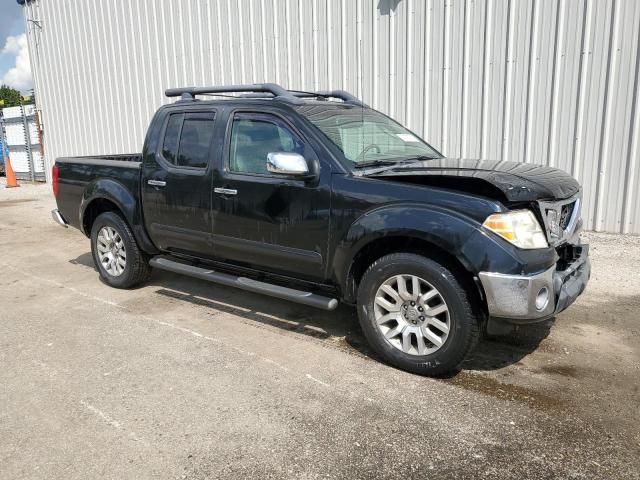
<point x="79" y="177"/>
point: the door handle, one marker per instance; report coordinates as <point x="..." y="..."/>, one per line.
<point x="225" y="191"/>
<point x="156" y="183"/>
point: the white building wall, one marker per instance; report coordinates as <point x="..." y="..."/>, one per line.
<point x="540" y="81"/>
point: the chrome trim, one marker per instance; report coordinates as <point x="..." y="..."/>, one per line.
<point x="156" y="183"/>
<point x="556" y="236"/>
<point x="287" y="163"/>
<point x="57" y="216"/>
<point x="225" y="191"/>
<point x="513" y="297"/>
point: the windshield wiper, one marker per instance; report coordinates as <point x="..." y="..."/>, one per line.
<point x="422" y="157"/>
<point x="390" y="163"/>
<point x="377" y="163"/>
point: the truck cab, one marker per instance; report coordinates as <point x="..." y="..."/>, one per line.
<point x="208" y="192"/>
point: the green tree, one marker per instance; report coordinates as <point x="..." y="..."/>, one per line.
<point x="11" y="97"/>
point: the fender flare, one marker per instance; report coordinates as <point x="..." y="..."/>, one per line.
<point x="451" y="231"/>
<point x="116" y="193"/>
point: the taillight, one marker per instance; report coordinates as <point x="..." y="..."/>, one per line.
<point x="54" y="180"/>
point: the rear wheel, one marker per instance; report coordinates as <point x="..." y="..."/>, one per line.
<point x="119" y="260"/>
<point x="416" y="315"/>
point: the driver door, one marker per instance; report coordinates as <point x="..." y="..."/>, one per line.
<point x="264" y="220"/>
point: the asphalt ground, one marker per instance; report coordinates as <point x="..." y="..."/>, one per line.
<point x="184" y="379"/>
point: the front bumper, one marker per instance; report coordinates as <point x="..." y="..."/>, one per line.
<point x="514" y="297"/>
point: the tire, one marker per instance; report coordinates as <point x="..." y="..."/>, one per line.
<point x="406" y="350"/>
<point x="136" y="267"/>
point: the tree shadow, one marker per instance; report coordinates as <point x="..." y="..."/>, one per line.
<point x="385" y="7"/>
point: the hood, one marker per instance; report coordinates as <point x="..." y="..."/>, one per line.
<point x="514" y="182"/>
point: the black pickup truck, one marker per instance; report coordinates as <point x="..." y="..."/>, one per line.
<point x="316" y="198"/>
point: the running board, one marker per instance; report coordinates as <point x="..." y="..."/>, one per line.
<point x="298" y="296"/>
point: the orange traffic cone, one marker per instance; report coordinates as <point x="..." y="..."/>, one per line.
<point x="8" y="171"/>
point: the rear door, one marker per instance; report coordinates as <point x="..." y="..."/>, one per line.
<point x="269" y="221"/>
<point x="177" y="183"/>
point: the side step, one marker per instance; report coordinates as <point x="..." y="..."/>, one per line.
<point x="298" y="296"/>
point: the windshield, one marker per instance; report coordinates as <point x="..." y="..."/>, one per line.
<point x="365" y="136"/>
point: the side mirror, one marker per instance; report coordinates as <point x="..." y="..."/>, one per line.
<point x="287" y="163"/>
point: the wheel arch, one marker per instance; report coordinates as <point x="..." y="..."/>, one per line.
<point x="96" y="207"/>
<point x="440" y="233"/>
<point x="379" y="247"/>
<point x="106" y="195"/>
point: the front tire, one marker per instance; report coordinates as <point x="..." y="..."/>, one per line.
<point x="116" y="254"/>
<point x="416" y="315"/>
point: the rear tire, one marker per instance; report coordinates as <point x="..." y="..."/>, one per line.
<point x="116" y="254"/>
<point x="416" y="315"/>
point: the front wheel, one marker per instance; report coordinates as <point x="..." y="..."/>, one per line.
<point x="416" y="315"/>
<point x="115" y="252"/>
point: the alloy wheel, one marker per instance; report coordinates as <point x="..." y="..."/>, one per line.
<point x="412" y="315"/>
<point x="111" y="251"/>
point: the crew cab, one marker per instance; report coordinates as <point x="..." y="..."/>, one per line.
<point x="316" y="198"/>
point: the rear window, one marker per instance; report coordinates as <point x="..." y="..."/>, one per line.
<point x="187" y="139"/>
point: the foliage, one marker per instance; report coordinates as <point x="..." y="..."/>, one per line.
<point x="11" y="97"/>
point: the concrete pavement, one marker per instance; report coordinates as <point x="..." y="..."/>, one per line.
<point x="184" y="379"/>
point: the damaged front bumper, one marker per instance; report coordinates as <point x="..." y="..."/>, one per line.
<point x="531" y="298"/>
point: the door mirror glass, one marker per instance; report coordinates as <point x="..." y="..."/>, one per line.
<point x="287" y="163"/>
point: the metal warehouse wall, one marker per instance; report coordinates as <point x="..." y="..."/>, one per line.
<point x="540" y="81"/>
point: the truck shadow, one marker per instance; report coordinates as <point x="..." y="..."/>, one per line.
<point x="497" y="352"/>
<point x="258" y="308"/>
<point x="84" y="260"/>
<point x="340" y="328"/>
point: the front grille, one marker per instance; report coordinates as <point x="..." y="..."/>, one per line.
<point x="561" y="218"/>
<point x="565" y="215"/>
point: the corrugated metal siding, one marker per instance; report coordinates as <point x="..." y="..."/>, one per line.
<point x="19" y="142"/>
<point x="540" y="81"/>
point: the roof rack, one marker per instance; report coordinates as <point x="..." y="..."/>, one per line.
<point x="189" y="93"/>
<point x="264" y="90"/>
<point x="341" y="94"/>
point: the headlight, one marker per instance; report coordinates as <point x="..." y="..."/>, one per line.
<point x="520" y="227"/>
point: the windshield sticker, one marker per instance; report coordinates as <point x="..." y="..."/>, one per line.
<point x="407" y="137"/>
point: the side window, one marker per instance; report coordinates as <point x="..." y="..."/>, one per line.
<point x="253" y="136"/>
<point x="195" y="140"/>
<point x="187" y="139"/>
<point x="171" y="136"/>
